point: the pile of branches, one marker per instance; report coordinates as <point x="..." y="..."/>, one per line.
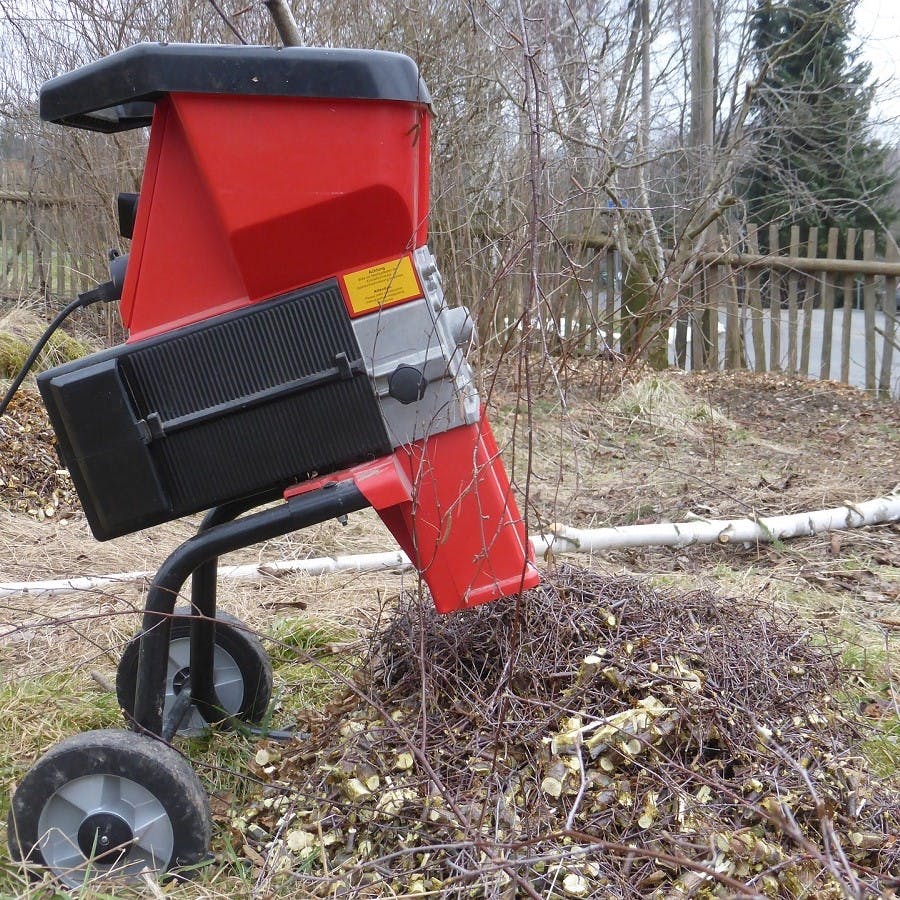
<point x="594" y="738"/>
<point x="32" y="479"/>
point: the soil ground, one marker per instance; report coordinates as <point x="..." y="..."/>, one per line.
<point x="599" y="447"/>
<point x="670" y="447"/>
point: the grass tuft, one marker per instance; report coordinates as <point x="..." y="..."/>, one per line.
<point x="20" y="331"/>
<point x="883" y="749"/>
<point x="661" y="403"/>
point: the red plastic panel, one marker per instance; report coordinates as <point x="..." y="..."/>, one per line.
<point x="180" y="269"/>
<point x="245" y="198"/>
<point x="462" y="529"/>
<point x="382" y="482"/>
<point x="448" y="503"/>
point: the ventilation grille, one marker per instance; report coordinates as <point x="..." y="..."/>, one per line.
<point x="239" y="404"/>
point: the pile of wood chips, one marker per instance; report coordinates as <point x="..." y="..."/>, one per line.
<point x="597" y="739"/>
<point x="32" y="479"/>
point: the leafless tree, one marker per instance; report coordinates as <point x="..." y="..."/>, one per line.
<point x="564" y="130"/>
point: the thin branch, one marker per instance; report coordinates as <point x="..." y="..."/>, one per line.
<point x="227" y="20"/>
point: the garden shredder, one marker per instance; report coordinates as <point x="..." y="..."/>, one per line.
<point x="289" y="340"/>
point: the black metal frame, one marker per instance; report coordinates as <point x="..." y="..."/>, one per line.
<point x="221" y="532"/>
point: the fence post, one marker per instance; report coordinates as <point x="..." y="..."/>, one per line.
<point x="809" y="294"/>
<point x="754" y="301"/>
<point x="611" y="275"/>
<point x="715" y="288"/>
<point x="695" y="305"/>
<point x="869" y="306"/>
<point x="734" y="332"/>
<point x="569" y="307"/>
<point x="682" y="317"/>
<point x="890" y="315"/>
<point x="4" y="238"/>
<point x="60" y="267"/>
<point x="592" y="343"/>
<point x="774" y="304"/>
<point x="849" y="301"/>
<point x="792" y="303"/>
<point x="828" y="308"/>
<point x="19" y="250"/>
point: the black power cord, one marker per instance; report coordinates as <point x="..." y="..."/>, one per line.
<point x="104" y="293"/>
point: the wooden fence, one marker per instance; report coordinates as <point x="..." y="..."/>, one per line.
<point x="792" y="310"/>
<point x="824" y="306"/>
<point x="42" y="236"/>
<point x="828" y="316"/>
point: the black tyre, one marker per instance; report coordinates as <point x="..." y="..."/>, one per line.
<point x="241" y="666"/>
<point x="109" y="804"/>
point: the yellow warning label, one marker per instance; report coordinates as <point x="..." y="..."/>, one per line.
<point x="382" y="285"/>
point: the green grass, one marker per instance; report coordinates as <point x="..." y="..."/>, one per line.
<point x="18" y="334"/>
<point x="308" y="671"/>
<point x="36" y="713"/>
<point x="296" y="633"/>
<point x="883" y="749"/>
<point x="61" y="348"/>
<point x="639" y="512"/>
<point x="888" y="430"/>
<point x="868" y="685"/>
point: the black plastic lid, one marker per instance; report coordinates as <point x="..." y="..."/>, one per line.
<point x="117" y="93"/>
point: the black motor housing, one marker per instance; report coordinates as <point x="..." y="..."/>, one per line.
<point x="230" y="407"/>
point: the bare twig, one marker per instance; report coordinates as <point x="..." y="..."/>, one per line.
<point x="227" y="20"/>
<point x="285" y="22"/>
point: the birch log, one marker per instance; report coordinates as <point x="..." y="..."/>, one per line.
<point x="560" y="539"/>
<point x="564" y="539"/>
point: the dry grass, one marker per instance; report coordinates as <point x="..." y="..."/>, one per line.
<point x="20" y="330"/>
<point x="660" y="403"/>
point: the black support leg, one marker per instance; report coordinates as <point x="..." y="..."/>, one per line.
<point x="203" y="608"/>
<point x="329" y="502"/>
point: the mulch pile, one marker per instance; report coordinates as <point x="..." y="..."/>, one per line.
<point x="598" y="739"/>
<point x="32" y="479"/>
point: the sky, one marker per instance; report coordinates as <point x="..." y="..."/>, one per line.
<point x="878" y="29"/>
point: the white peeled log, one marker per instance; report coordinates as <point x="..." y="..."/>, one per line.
<point x="561" y="539"/>
<point x="393" y="560"/>
<point x="565" y="539"/>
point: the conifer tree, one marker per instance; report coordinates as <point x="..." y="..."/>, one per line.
<point x="815" y="161"/>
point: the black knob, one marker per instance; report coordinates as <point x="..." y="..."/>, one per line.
<point x="117" y="267"/>
<point x="407" y="384"/>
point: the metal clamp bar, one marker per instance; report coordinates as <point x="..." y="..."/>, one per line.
<point x="329" y="502"/>
<point x="153" y="427"/>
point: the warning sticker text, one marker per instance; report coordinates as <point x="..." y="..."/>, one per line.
<point x="382" y="285"/>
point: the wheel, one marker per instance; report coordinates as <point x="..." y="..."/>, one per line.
<point x="242" y="672"/>
<point x="109" y="803"/>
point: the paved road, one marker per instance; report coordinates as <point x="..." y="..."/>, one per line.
<point x="857" y="371"/>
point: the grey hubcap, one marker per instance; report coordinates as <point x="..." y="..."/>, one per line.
<point x="226" y="675"/>
<point x="104" y="824"/>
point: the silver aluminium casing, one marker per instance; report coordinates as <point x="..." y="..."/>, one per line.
<point x="432" y="338"/>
